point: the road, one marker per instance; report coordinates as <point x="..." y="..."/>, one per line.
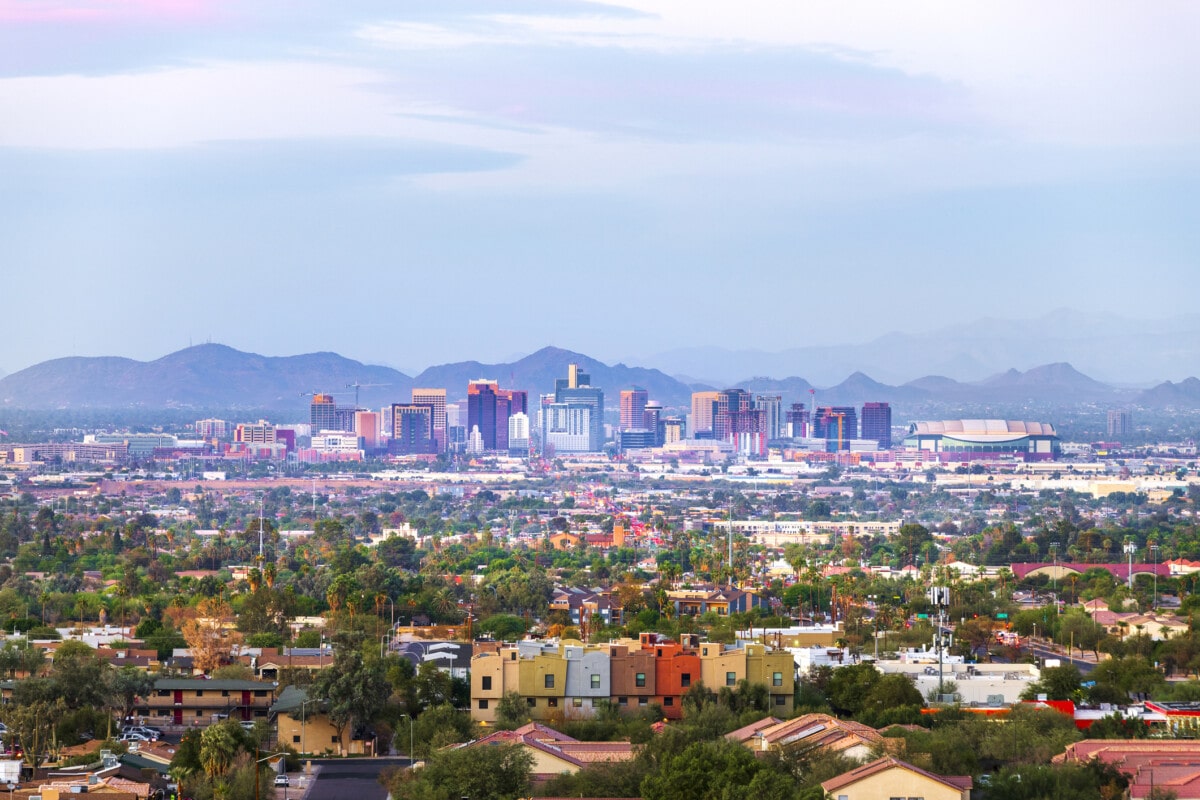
<point x="348" y="777"/>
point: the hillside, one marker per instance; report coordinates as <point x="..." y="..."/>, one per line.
<point x="204" y="376"/>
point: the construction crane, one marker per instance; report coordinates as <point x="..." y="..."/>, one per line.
<point x="356" y="386"/>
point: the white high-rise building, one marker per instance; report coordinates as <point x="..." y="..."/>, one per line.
<point x="518" y="434"/>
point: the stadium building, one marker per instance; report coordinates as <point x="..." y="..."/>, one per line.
<point x="985" y="439"/>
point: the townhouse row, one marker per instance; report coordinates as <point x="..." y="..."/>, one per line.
<point x="571" y="679"/>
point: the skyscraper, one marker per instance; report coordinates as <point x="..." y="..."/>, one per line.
<point x="772" y="407"/>
<point x="326" y="415"/>
<point x="481" y="411"/>
<point x="412" y="429"/>
<point x="436" y="400"/>
<point x="877" y="423"/>
<point x="703" y="404"/>
<point x="633" y="406"/>
<point x="576" y="391"/>
<point x="796" y="425"/>
<point x="836" y="423"/>
<point x="1120" y="423"/>
<point x="652" y="421"/>
<point x="729" y="401"/>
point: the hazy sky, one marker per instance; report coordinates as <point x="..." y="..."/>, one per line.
<point x="417" y="182"/>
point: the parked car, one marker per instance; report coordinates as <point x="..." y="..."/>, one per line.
<point x="282" y="780"/>
<point x="150" y="734"/>
<point x="134" y="736"/>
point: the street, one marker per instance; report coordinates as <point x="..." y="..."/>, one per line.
<point x="348" y="777"/>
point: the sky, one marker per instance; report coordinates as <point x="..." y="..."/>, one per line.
<point x="412" y="183"/>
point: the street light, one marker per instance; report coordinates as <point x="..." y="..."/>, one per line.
<point x="410" y="740"/>
<point x="256" y="770"/>
<point x="1130" y="548"/>
<point x="1154" y="555"/>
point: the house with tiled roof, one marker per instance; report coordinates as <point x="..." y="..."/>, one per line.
<point x="889" y="777"/>
<point x="555" y="753"/>
<point x="828" y="733"/>
<point x="1166" y="765"/>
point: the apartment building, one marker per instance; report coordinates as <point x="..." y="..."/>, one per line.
<point x="571" y="679"/>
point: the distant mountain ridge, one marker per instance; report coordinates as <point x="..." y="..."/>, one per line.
<point x="217" y="376"/>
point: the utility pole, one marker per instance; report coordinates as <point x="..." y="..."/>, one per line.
<point x="939" y="596"/>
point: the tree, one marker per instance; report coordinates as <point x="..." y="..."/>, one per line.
<point x="128" y="684"/>
<point x="512" y="711"/>
<point x="720" y="770"/>
<point x="219" y="744"/>
<point x="1057" y="683"/>
<point x="80" y="677"/>
<point x="208" y="634"/>
<point x="355" y="690"/>
<point x="497" y="772"/>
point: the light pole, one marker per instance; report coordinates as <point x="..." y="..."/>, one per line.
<point x="304" y="719"/>
<point x="257" y="793"/>
<point x="410" y="740"/>
<point x="1154" y="556"/>
<point x="1130" y="548"/>
<point x="1054" y="574"/>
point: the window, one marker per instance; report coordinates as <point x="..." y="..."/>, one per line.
<point x="622" y="701"/>
<point x="777" y="679"/>
<point x="780" y="699"/>
<point x="482" y="705"/>
<point x="531" y="701"/>
<point x="643" y="701"/>
<point x="595" y="681"/>
<point x="731" y="679"/>
<point x="685" y="679"/>
<point x="577" y="702"/>
<point x="164" y="693"/>
<point x="333" y="740"/>
<point x="260" y="692"/>
<point x="668" y="701"/>
<point x="550" y="681"/>
<point x="552" y="702"/>
<point x="295" y="738"/>
<point x="487" y="683"/>
<point x="224" y="693"/>
<point x="199" y="693"/>
<point x="199" y="713"/>
<point x="640" y="679"/>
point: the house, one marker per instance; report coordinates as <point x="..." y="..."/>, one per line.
<point x="888" y="778"/>
<point x="830" y="734"/>
<point x="1152" y="764"/>
<point x="304" y="725"/>
<point x="555" y="753"/>
<point x="453" y="658"/>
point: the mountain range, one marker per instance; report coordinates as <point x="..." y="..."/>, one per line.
<point x="214" y="376"/>
<point x="1113" y="349"/>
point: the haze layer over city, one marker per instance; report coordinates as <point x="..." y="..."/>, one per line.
<point x="415" y="401"/>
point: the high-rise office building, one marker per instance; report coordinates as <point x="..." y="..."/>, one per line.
<point x="326" y="415"/>
<point x="567" y="427"/>
<point x="412" y="429"/>
<point x="261" y="432"/>
<point x="772" y="407"/>
<point x="652" y="420"/>
<point x="796" y="421"/>
<point x="729" y="401"/>
<point x="576" y="390"/>
<point x="877" y="424"/>
<point x="633" y="407"/>
<point x="481" y="411"/>
<point x="366" y="425"/>
<point x="518" y="434"/>
<point x="674" y="430"/>
<point x="703" y="404"/>
<point x="837" y="424"/>
<point x="1120" y="423"/>
<point x="436" y="400"/>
